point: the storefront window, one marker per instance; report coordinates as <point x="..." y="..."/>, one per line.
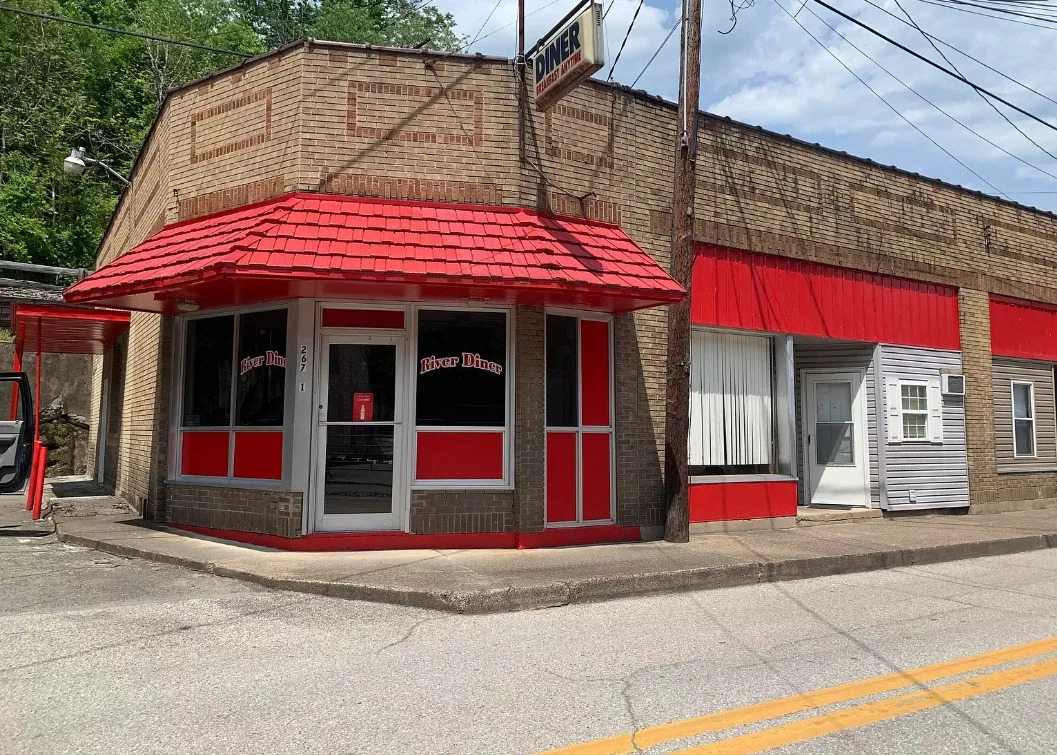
<point x="732" y="424"/>
<point x="207" y="372"/>
<point x="233" y="396"/>
<point x="461" y="368"/>
<point x="261" y="382"/>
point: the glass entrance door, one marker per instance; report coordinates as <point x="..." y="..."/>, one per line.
<point x="835" y="434"/>
<point x="360" y="434"/>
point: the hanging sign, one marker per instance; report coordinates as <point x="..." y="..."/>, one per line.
<point x="363" y="407"/>
<point x="568" y="55"/>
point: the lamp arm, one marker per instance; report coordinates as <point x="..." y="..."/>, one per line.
<point x="107" y="168"/>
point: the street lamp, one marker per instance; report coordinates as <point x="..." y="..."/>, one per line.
<point x="77" y="163"/>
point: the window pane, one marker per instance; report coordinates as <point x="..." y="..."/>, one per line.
<point x="461" y="369"/>
<point x="207" y="372"/>
<point x="8" y="391"/>
<point x="1023" y="437"/>
<point x="362" y="383"/>
<point x="731" y="403"/>
<point x="359" y="472"/>
<point x="915" y="426"/>
<point x="562" y="409"/>
<point x="262" y="368"/>
<point x="836" y="443"/>
<point x="915" y="398"/>
<point x="1022" y="407"/>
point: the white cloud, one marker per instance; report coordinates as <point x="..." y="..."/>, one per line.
<point x="769" y="72"/>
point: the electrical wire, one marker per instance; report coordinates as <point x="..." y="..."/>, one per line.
<point x="626" y="35"/>
<point x="657" y="52"/>
<point x="891" y="107"/>
<point x="125" y="32"/>
<point x="932" y="104"/>
<point x="990" y="104"/>
<point x="961" y="52"/>
<point x="985" y="15"/>
<point x="934" y="64"/>
<point x="512" y="23"/>
<point x="487" y="19"/>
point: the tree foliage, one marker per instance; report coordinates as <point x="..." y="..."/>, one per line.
<point x="63" y="86"/>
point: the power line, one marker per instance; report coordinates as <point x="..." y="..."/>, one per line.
<point x="626" y="35"/>
<point x="990" y="104"/>
<point x="961" y="52"/>
<point x="886" y="102"/>
<point x="985" y="15"/>
<point x="112" y="30"/>
<point x="932" y="104"/>
<point x="657" y="52"/>
<point x="934" y="64"/>
<point x="487" y="19"/>
<point x="507" y="26"/>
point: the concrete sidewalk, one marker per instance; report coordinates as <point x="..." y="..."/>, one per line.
<point x="482" y="581"/>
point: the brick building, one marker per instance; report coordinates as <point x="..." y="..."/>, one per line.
<point x="355" y="309"/>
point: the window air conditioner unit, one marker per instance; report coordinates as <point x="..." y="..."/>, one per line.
<point x="952" y="385"/>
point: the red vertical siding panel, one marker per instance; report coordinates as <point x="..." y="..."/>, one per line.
<point x="1023" y="329"/>
<point x="594" y="373"/>
<point x="724" y="502"/>
<point x="561" y="477"/>
<point x="595" y="475"/>
<point x="737" y="289"/>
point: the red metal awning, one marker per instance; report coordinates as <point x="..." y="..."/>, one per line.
<point x="322" y="246"/>
<point x="62" y="329"/>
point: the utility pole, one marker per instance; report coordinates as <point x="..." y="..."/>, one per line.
<point x="677" y="408"/>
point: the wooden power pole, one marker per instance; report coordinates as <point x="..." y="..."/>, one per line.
<point x="677" y="408"/>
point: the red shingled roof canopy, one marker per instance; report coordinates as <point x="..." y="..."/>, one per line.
<point x="320" y="246"/>
<point x="62" y="329"/>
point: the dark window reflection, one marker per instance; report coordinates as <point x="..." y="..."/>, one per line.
<point x="261" y="369"/>
<point x="362" y="383"/>
<point x="562" y="403"/>
<point x="359" y="471"/>
<point x="207" y="372"/>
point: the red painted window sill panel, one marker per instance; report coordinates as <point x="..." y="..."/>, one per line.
<point x="381" y="541"/>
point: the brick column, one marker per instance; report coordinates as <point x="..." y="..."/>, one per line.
<point x="529" y="420"/>
<point x="975" y="323"/>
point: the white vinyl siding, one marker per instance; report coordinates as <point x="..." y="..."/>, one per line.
<point x="1011" y="459"/>
<point x="731" y="413"/>
<point x="932" y="473"/>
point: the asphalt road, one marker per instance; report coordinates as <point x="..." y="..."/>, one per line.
<point x="105" y="655"/>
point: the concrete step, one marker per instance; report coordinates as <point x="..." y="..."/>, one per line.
<point x="812" y="515"/>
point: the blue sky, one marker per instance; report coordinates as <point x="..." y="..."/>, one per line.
<point x="769" y="72"/>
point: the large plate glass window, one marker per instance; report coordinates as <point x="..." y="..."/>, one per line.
<point x="732" y="404"/>
<point x="461" y="398"/>
<point x="233" y="395"/>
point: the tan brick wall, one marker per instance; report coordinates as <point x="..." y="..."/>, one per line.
<point x="263" y="511"/>
<point x="447" y="511"/>
<point x="346" y="120"/>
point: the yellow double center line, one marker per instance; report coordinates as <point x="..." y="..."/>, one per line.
<point x="842" y="720"/>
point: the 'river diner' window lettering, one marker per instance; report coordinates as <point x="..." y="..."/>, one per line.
<point x="462" y="379"/>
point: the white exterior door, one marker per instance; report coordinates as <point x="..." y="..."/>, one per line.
<point x="835" y="437"/>
<point x="360" y="463"/>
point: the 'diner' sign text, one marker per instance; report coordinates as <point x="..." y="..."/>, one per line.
<point x="568" y="55"/>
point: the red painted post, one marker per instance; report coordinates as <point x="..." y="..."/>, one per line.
<point x="34" y="483"/>
<point x="42" y="459"/>
<point x="36" y="397"/>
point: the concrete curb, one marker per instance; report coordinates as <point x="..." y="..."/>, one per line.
<point x="595" y="589"/>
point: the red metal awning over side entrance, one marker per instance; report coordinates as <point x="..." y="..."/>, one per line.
<point x="322" y="246"/>
<point x="62" y="329"/>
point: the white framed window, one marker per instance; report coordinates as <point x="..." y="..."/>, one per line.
<point x="915" y="410"/>
<point x="1023" y="395"/>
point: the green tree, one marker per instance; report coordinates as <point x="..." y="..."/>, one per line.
<point x="63" y="86"/>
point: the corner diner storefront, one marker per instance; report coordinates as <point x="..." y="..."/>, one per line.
<point x="354" y="366"/>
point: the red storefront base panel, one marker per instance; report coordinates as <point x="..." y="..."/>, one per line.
<point x="392" y="541"/>
<point x="731" y="501"/>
